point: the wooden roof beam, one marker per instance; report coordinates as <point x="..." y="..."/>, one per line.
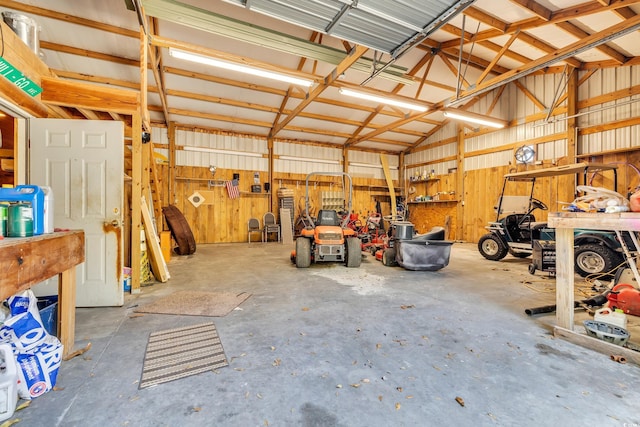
<point x="428" y="59"/>
<point x="495" y="60"/>
<point x="351" y="58"/>
<point x="536" y="8"/>
<point x="556" y="56"/>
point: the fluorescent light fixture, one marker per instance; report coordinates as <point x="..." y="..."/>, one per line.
<point x="217" y="151"/>
<point x="370" y="165"/>
<point x="305" y="159"/>
<point x="207" y="60"/>
<point x="383" y="100"/>
<point x="467" y="116"/>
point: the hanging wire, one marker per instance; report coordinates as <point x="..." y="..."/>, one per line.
<point x="464" y="20"/>
<point x="473" y="43"/>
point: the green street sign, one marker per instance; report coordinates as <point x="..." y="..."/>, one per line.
<point x="17" y="78"/>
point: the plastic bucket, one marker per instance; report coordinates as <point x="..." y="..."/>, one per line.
<point x="20" y="220"/>
<point x="8" y="382"/>
<point x="4" y="212"/>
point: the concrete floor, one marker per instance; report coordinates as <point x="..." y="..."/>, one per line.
<point x="331" y="346"/>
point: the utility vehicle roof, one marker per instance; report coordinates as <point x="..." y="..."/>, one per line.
<point x="561" y="170"/>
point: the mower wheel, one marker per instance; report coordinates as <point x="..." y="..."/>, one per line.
<point x="532" y="268"/>
<point x="389" y="257"/>
<point x="303" y="252"/>
<point x="354" y="252"/>
<point x="492" y="247"/>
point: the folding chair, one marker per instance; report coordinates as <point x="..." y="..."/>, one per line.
<point x="253" y="227"/>
<point x="270" y="226"/>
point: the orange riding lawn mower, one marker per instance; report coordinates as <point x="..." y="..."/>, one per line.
<point x="328" y="237"/>
<point x="342" y="238"/>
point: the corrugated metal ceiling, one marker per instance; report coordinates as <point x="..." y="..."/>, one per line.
<point x="386" y="26"/>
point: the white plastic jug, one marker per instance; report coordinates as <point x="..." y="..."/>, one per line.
<point x="611" y="317"/>
<point x="8" y="382"/>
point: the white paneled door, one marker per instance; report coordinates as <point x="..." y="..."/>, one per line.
<point x="82" y="161"/>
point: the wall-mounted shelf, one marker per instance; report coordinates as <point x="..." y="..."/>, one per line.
<point x="423" y="180"/>
<point x="251" y="193"/>
<point x="433" y="201"/>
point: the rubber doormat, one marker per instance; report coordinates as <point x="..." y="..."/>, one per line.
<point x="196" y="303"/>
<point x="177" y="353"/>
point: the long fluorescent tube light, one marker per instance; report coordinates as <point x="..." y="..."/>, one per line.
<point x="370" y="165"/>
<point x="383" y="100"/>
<point x="217" y="151"/>
<point x="207" y="60"/>
<point x="305" y="159"/>
<point x="475" y="118"/>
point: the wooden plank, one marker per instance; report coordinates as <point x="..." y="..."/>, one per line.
<point x="91" y="96"/>
<point x="27" y="261"/>
<point x="67" y="309"/>
<point x="157" y="260"/>
<point x="286" y="230"/>
<point x="392" y="191"/>
<point x="136" y="193"/>
<point x="564" y="278"/>
<point x="598" y="345"/>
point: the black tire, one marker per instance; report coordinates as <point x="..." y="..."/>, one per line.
<point x="354" y="252"/>
<point x="389" y="257"/>
<point x="492" y="247"/>
<point x="596" y="259"/>
<point x="532" y="268"/>
<point x="180" y="230"/>
<point x="303" y="252"/>
<point x="520" y="254"/>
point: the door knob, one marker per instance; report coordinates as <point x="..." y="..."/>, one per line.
<point x="115" y="223"/>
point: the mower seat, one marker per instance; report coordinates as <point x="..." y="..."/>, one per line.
<point x="328" y="217"/>
<point x="436" y="233"/>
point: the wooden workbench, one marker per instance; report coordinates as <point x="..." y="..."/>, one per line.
<point x="564" y="223"/>
<point x="27" y="261"/>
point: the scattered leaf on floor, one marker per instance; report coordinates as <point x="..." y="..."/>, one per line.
<point x="277" y="362"/>
<point x="303" y="334"/>
<point x="238" y="369"/>
<point x="56" y="388"/>
<point x="196" y="408"/>
<point x="397" y="406"/>
<point x="272" y="348"/>
<point x="305" y="308"/>
<point x="450" y="355"/>
<point x="426" y="338"/>
<point x="10" y="422"/>
<point x="133" y="316"/>
<point x="365" y="380"/>
<point x="339" y="386"/>
<point x="246" y="395"/>
<point x="378" y="346"/>
<point x="355" y="385"/>
<point x="380" y="398"/>
<point x="258" y="395"/>
<point x="460" y="400"/>
<point x="399" y="389"/>
<point x="410" y="396"/>
<point x="436" y="368"/>
<point x="404" y="307"/>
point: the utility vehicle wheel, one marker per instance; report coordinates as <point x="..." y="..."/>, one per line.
<point x="354" y="252"/>
<point x="389" y="257"/>
<point x="520" y="254"/>
<point x="303" y="252"/>
<point x="491" y="247"/>
<point x="596" y="259"/>
<point x="532" y="268"/>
